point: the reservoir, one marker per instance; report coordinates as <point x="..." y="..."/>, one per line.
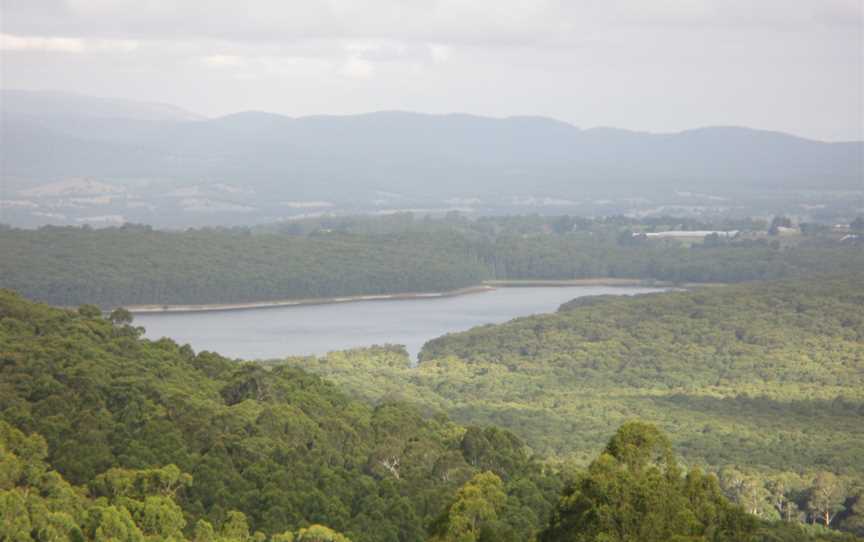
<point x="317" y="329"/>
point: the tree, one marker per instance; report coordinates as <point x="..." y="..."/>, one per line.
<point x="204" y="532"/>
<point x="854" y="521"/>
<point x="89" y="311"/>
<point x="748" y="491"/>
<point x="160" y="516"/>
<point x="474" y="509"/>
<point x="15" y="523"/>
<point x="634" y="492"/>
<point x="779" y="488"/>
<point x="138" y="484"/>
<point x="319" y="533"/>
<point x="638" y="445"/>
<point x="115" y="524"/>
<point x="120" y="317"/>
<point x="492" y="449"/>
<point x="235" y="528"/>
<point x="827" y="496"/>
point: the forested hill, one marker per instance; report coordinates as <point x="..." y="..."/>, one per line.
<point x="749" y="321"/>
<point x="136" y="265"/>
<point x="105" y="436"/>
<point x="122" y="266"/>
<point x="765" y="374"/>
<point x="281" y="446"/>
<point x="760" y="382"/>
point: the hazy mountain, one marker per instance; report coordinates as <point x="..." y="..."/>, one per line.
<point x="84" y="117"/>
<point x="48" y="137"/>
<point x="52" y="104"/>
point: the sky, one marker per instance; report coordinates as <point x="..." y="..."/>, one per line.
<point x="653" y="65"/>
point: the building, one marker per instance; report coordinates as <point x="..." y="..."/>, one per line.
<point x="696" y="235"/>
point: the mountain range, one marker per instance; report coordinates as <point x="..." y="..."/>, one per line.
<point x="387" y="156"/>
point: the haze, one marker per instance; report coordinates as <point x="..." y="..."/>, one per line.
<point x="792" y="66"/>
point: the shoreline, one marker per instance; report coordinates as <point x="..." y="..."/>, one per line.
<point x="528" y="283"/>
<point x="252" y="305"/>
<point x="611" y="282"/>
<point x="486" y="286"/>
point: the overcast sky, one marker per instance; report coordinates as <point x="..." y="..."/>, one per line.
<point x="658" y="65"/>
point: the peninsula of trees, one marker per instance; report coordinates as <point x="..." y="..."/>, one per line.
<point x="135" y="265"/>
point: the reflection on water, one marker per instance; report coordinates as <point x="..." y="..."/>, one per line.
<point x="318" y="329"/>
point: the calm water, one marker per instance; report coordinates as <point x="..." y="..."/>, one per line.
<point x="318" y="329"/>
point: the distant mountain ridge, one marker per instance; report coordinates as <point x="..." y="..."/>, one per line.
<point x="413" y="155"/>
<point x="49" y="103"/>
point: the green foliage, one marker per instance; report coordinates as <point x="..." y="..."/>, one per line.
<point x="105" y="436"/>
<point x="634" y="492"/>
<point x="171" y="443"/>
<point x="35" y="502"/>
<point x="125" y="266"/>
<point x="474" y="512"/>
<point x="120" y="317"/>
<point x="761" y="383"/>
<point x="319" y="533"/>
<point x="351" y="256"/>
<point x="785" y="361"/>
<point x="37" y="505"/>
<point x="827" y="496"/>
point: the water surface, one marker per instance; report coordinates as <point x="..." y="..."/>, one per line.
<point x="318" y="329"/>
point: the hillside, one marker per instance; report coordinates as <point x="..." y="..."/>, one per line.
<point x="283" y="447"/>
<point x="105" y="436"/>
<point x="767" y="375"/>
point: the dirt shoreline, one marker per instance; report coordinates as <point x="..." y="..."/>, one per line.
<point x="633" y="283"/>
<point x="212" y="307"/>
<point x="575" y="282"/>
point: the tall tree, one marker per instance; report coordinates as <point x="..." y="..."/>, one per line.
<point x="826" y="497"/>
<point x="634" y="492"/>
<point x="474" y="510"/>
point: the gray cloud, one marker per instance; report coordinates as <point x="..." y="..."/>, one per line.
<point x="792" y="65"/>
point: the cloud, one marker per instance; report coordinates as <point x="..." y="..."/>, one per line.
<point x="292" y="66"/>
<point x="223" y="61"/>
<point x="395" y="51"/>
<point x="378" y="49"/>
<point x="358" y="68"/>
<point x="10" y="42"/>
<point x="662" y="65"/>
<point x="439" y="53"/>
<point x="459" y="22"/>
<point x="33" y="43"/>
<point x="258" y="66"/>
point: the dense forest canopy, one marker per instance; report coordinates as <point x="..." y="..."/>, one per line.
<point x="107" y="436"/>
<point x="784" y="360"/>
<point x="356" y="256"/>
<point x="494" y="436"/>
<point x="283" y="447"/>
<point x="69" y="266"/>
<point x="760" y="382"/>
